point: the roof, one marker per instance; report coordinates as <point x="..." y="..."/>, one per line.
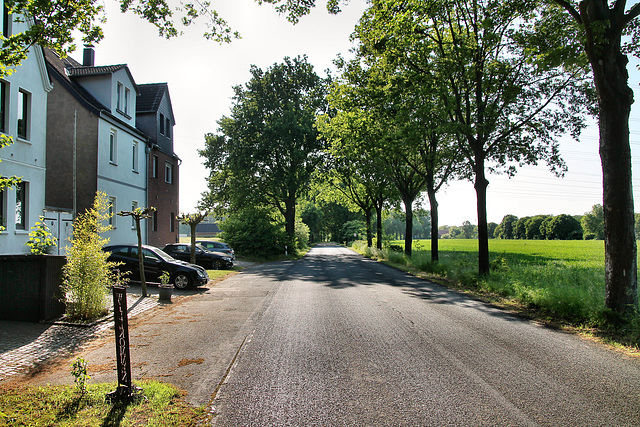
<point x="58" y="67"/>
<point x="81" y="70"/>
<point x="150" y="97"/>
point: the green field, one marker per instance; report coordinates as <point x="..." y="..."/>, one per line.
<point x="558" y="281"/>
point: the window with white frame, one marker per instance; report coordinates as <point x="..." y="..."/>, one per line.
<point x="6" y="21"/>
<point x="134" y="156"/>
<point x="3" y="209"/>
<point x="119" y="96"/>
<point x="155" y="166"/>
<point x="24" y="112"/>
<point x="4" y="94"/>
<point x="113" y="147"/>
<point x="134" y="206"/>
<point x="112" y="211"/>
<point x="168" y="173"/>
<point x="22" y="199"/>
<point x="127" y="98"/>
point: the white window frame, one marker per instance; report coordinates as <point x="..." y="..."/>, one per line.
<point x="112" y="211"/>
<point x="24" y="113"/>
<point x="119" y="96"/>
<point x="155" y="166"/>
<point x="113" y="147"/>
<point x="134" y="206"/>
<point x="134" y="156"/>
<point x="127" y="96"/>
<point x="168" y="173"/>
<point x="24" y="207"/>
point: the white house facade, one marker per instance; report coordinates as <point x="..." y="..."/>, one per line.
<point x="23" y="116"/>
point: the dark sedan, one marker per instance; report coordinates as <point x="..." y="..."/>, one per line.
<point x="204" y="257"/>
<point x="156" y="262"/>
<point x="215" y="246"/>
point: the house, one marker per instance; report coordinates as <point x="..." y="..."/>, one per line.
<point x="92" y="141"/>
<point x="23" y="116"/>
<point x="155" y="119"/>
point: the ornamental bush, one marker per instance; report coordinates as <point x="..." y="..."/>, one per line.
<point x="88" y="275"/>
<point x="40" y="238"/>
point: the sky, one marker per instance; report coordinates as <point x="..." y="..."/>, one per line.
<point x="201" y="75"/>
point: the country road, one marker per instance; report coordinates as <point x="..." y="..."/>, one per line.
<point x="347" y="341"/>
<point x="335" y="339"/>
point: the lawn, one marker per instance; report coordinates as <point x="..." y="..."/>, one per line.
<point x="554" y="280"/>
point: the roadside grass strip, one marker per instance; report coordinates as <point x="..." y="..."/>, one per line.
<point x="556" y="281"/>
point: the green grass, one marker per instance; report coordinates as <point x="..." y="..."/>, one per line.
<point x="561" y="282"/>
<point x="64" y="405"/>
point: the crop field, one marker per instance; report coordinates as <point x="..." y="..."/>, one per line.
<point x="561" y="280"/>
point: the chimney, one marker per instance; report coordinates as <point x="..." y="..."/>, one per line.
<point x="89" y="56"/>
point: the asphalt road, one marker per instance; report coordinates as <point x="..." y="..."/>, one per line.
<point x="335" y="339"/>
<point x="346" y="341"/>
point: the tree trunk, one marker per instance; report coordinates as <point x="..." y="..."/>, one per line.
<point x="408" y="231"/>
<point x="433" y="206"/>
<point x="615" y="99"/>
<point x="367" y="215"/>
<point x="481" y="185"/>
<point x="290" y="223"/>
<point x="143" y="282"/>
<point x="379" y="225"/>
<point x="192" y="255"/>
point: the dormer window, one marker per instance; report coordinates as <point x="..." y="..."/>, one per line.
<point x="167" y="127"/>
<point x="161" y="124"/>
<point x="119" y="97"/>
<point x="127" y="96"/>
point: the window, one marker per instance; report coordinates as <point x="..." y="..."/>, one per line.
<point x="23" y="114"/>
<point x="155" y="220"/>
<point x="155" y="166"/>
<point x="127" y="96"/>
<point x="119" y="96"/>
<point x="168" y="173"/>
<point x="162" y="124"/>
<point x="113" y="147"/>
<point x="6" y="22"/>
<point x="167" y="129"/>
<point x="134" y="157"/>
<point x="3" y="209"/>
<point x="112" y="212"/>
<point x="4" y="90"/>
<point x="134" y="206"/>
<point x="172" y="223"/>
<point x="21" y="206"/>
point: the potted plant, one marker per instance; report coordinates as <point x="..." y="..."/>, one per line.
<point x="165" y="290"/>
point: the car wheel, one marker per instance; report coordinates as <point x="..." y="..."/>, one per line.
<point x="217" y="264"/>
<point x="181" y="281"/>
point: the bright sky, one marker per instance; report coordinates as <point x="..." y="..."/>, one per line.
<point x="201" y="75"/>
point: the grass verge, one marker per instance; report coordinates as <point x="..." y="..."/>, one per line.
<point x="65" y="405"/>
<point x="560" y="283"/>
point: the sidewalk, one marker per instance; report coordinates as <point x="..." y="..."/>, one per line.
<point x="26" y="345"/>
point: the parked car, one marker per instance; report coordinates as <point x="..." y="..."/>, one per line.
<point x="156" y="262"/>
<point x="214" y="246"/>
<point x="204" y="257"/>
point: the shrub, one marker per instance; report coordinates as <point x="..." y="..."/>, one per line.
<point x="302" y="234"/>
<point x="88" y="275"/>
<point x="254" y="232"/>
<point x="40" y="238"/>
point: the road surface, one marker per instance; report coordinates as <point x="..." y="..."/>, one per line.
<point x="341" y="340"/>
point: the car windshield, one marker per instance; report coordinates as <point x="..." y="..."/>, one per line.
<point x="162" y="254"/>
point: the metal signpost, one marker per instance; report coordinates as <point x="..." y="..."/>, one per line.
<point x="125" y="390"/>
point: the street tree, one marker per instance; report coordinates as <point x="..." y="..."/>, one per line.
<point x="138" y="214"/>
<point x="268" y="148"/>
<point x="192" y="220"/>
<point x="599" y="26"/>
<point x="508" y="108"/>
